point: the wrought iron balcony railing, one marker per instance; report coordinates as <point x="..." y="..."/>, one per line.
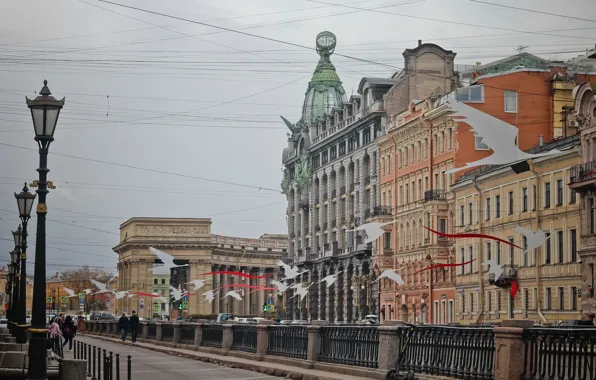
<point x="435" y="195"/>
<point x="381" y="210"/>
<point x="583" y="172"/>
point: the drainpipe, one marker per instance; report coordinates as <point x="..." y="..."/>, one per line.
<point x="480" y="255"/>
<point x="538" y="255"/>
<point x="429" y="126"/>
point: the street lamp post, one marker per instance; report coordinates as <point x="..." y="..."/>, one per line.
<point x="25" y="203"/>
<point x="14" y="269"/>
<point x="45" y="110"/>
<point x="16" y="253"/>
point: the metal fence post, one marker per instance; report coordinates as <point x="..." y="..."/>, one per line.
<point x="129" y="376"/>
<point x="88" y="359"/>
<point x="117" y="366"/>
<point x="99" y="363"/>
<point x="111" y="366"/>
<point x="94" y="355"/>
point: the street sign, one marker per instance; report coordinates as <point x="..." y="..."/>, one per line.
<point x="185" y="304"/>
<point x="141" y="301"/>
<point x="185" y="298"/>
<point x="270" y="308"/>
<point x="49" y="299"/>
<point x="81" y="296"/>
<point x="270" y="301"/>
<point x="64" y="299"/>
<point x="141" y="307"/>
<point x="156" y="307"/>
<point x="81" y="302"/>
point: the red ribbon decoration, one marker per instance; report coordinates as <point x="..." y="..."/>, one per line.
<point x="236" y="274"/>
<point x="472" y="236"/>
<point x="445" y="265"/>
<point x="246" y="286"/>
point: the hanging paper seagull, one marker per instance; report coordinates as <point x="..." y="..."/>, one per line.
<point x="534" y="239"/>
<point x="198" y="284"/>
<point x="101" y="286"/>
<point x="289" y="272"/>
<point x="300" y="290"/>
<point x="281" y="286"/>
<point x="168" y="262"/>
<point x="482" y="236"/>
<point x="71" y="293"/>
<point x="330" y="279"/>
<point x="233" y="294"/>
<point x="209" y="296"/>
<point x="388" y="273"/>
<point x="500" y="136"/>
<point x="373" y="230"/>
<point x="493" y="268"/>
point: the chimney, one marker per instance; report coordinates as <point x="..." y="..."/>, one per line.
<point x="541" y="140"/>
<point x="419" y="42"/>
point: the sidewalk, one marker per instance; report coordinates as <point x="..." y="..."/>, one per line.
<point x="266" y="367"/>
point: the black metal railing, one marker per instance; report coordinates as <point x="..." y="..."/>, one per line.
<point x="244" y="338"/>
<point x="464" y="353"/>
<point x="288" y="341"/>
<point x="381" y="210"/>
<point x="435" y="195"/>
<point x="54" y="344"/>
<point x="212" y="335"/>
<point x="350" y="345"/>
<point x="151" y="330"/>
<point x="583" y="172"/>
<point x="554" y="353"/>
<point x="98" y="359"/>
<point x="167" y="331"/>
<point x="187" y="333"/>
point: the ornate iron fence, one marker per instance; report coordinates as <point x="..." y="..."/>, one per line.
<point x="555" y="353"/>
<point x="187" y="333"/>
<point x="244" y="338"/>
<point x="462" y="353"/>
<point x="289" y="341"/>
<point x="212" y="335"/>
<point x="167" y="331"/>
<point x="151" y="330"/>
<point x="350" y="345"/>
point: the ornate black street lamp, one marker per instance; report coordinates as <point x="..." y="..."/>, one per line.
<point x="45" y="110"/>
<point x="15" y="255"/>
<point x="25" y="202"/>
<point x="13" y="269"/>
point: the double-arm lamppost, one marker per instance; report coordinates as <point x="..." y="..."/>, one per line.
<point x="25" y="203"/>
<point x="45" y="110"/>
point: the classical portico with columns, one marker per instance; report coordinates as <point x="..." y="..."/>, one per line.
<point x="190" y="242"/>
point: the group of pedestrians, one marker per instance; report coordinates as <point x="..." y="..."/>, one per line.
<point x="124" y="323"/>
<point x="65" y="327"/>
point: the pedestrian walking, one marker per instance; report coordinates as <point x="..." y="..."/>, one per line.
<point x="75" y="325"/>
<point x="123" y="323"/>
<point x="67" y="332"/>
<point x="55" y="334"/>
<point x="134" y="325"/>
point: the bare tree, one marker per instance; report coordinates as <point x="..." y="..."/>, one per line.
<point x="80" y="279"/>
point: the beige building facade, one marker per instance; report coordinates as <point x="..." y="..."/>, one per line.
<point x="189" y="241"/>
<point x="493" y="201"/>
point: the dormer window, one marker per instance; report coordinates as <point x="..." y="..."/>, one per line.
<point x="328" y="122"/>
<point x="336" y="118"/>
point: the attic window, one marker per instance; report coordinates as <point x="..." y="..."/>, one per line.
<point x="471" y="94"/>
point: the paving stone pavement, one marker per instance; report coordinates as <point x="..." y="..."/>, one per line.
<point x="151" y="365"/>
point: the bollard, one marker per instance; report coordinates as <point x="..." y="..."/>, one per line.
<point x="117" y="366"/>
<point x="129" y="375"/>
<point x="94" y="355"/>
<point x="106" y="368"/>
<point x="111" y="366"/>
<point x="99" y="360"/>
<point x="89" y="360"/>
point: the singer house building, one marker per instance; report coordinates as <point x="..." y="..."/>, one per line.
<point x="330" y="178"/>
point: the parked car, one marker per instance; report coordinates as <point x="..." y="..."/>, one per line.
<point x="286" y="322"/>
<point x="102" y="316"/>
<point x="222" y="317"/>
<point x="3" y="323"/>
<point x="245" y="320"/>
<point x="299" y="322"/>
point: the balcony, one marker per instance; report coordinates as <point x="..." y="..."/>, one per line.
<point x="504" y="281"/>
<point x="583" y="177"/>
<point x="381" y="210"/>
<point x="303" y="203"/>
<point x="342" y="190"/>
<point x="292" y="236"/>
<point x="306" y="230"/>
<point x="435" y="195"/>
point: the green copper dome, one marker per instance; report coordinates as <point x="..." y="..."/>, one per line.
<point x="324" y="89"/>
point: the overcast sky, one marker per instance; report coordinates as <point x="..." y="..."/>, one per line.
<point x="159" y="93"/>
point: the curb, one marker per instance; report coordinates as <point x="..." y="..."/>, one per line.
<point x="227" y="363"/>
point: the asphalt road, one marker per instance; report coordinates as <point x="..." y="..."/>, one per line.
<point x="151" y="365"/>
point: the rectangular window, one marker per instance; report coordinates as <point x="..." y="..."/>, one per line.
<point x="511" y="203"/>
<point x="488" y="252"/>
<point x="525" y="199"/>
<point x="470" y="94"/>
<point x="525" y="247"/>
<point x="462" y="216"/>
<point x="510" y="101"/>
<point x="559" y="192"/>
<point x="479" y="144"/>
<point x="487" y="209"/>
<point x="573" y="298"/>
<point x="442" y="225"/>
<point x="534" y="197"/>
<point x="561" y="297"/>
<point x="497" y="206"/>
<point x="470" y="255"/>
<point x="451" y="312"/>
<point x="498" y="252"/>
<point x="462" y="254"/>
<point x="549" y="299"/>
<point x="470" y="215"/>
<point x="547" y="195"/>
<point x="463" y="303"/>
<point x="450" y="138"/>
<point x="573" y="243"/>
<point x="560" y="252"/>
<point x="572" y="196"/>
<point x="548" y="254"/>
<point x="511" y="252"/>
<point x="489" y="302"/>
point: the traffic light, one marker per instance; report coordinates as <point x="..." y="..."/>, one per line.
<point x="264" y="307"/>
<point x="180" y="306"/>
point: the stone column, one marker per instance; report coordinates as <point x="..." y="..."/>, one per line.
<point x="228" y="336"/>
<point x="262" y="339"/>
<point x="144" y="330"/>
<point x="261" y="293"/>
<point x="215" y="285"/>
<point x="199" y="331"/>
<point x="223" y="307"/>
<point x="313" y="351"/>
<point x="176" y="338"/>
<point x="74" y="369"/>
<point x="509" y="349"/>
<point x="389" y="346"/>
<point x="158" y="332"/>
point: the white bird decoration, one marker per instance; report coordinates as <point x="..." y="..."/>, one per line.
<point x="168" y="262"/>
<point x="159" y="298"/>
<point x="534" y="238"/>
<point x="120" y="294"/>
<point x="494" y="268"/>
<point x="198" y="284"/>
<point x="289" y="272"/>
<point x="280" y="285"/>
<point x="130" y="295"/>
<point x="234" y="294"/>
<point x="373" y="230"/>
<point x="88" y="291"/>
<point x="102" y="287"/>
<point x="71" y="293"/>
<point x="497" y="134"/>
<point x="330" y="279"/>
<point x="300" y="290"/>
<point x="392" y="276"/>
<point x="177" y="294"/>
<point x="209" y="295"/>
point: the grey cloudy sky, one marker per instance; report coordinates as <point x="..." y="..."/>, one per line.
<point x="194" y="100"/>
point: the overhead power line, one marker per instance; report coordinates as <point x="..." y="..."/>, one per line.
<point x="532" y="11"/>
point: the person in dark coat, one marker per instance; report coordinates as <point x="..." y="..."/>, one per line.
<point x="123" y="323"/>
<point x="68" y="332"/>
<point x="134" y="325"/>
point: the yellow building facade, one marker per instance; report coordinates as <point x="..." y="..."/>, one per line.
<point x="534" y="195"/>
